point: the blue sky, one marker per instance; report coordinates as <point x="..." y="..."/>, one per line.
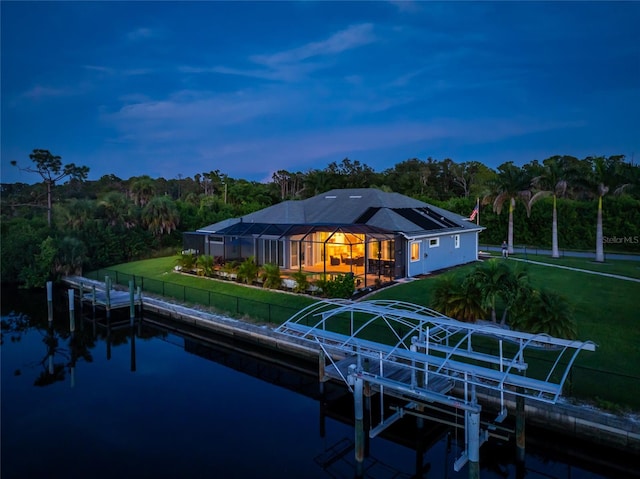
<point x="172" y="89"/>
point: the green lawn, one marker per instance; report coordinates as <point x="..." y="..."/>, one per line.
<point x="619" y="267"/>
<point x="606" y="311"/>
<point x="225" y="296"/>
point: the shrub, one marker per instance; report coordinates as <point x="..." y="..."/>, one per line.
<point x="302" y="283"/>
<point x="186" y="260"/>
<point x="248" y="270"/>
<point x="342" y="286"/>
<point x="271" y="276"/>
<point x="206" y="265"/>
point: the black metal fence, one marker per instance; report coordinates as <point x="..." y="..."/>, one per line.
<point x="232" y="305"/>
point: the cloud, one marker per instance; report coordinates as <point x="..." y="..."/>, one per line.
<point x="296" y="64"/>
<point x="114" y="71"/>
<point x="406" y="6"/>
<point x="38" y="92"/>
<point x="189" y="114"/>
<point x="285" y="73"/>
<point x="100" y="69"/>
<point x="352" y="37"/>
<point x="141" y="33"/>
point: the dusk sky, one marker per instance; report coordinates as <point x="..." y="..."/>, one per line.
<point x="171" y="89"/>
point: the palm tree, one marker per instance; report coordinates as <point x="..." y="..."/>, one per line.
<point x="206" y="264"/>
<point x="248" y="270"/>
<point x="458" y="299"/>
<point x="142" y="190"/>
<point x="318" y="181"/>
<point x="491" y="280"/>
<point x="515" y="294"/>
<point x="551" y="182"/>
<point x="270" y="276"/>
<point x="117" y="210"/>
<point x="604" y="174"/>
<point x="74" y="213"/>
<point x="550" y="313"/>
<point x="160" y="215"/>
<point x="511" y="183"/>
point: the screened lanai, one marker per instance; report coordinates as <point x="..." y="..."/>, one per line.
<point x="365" y="251"/>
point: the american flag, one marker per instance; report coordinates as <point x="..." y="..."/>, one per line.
<point x="473" y="214"/>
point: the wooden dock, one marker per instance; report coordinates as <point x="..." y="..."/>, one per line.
<point x="97" y="294"/>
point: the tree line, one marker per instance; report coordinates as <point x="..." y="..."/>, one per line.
<point x="67" y="223"/>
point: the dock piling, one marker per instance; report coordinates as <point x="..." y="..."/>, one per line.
<point x="132" y="306"/>
<point x="358" y="388"/>
<point x="520" y="427"/>
<point x="50" y="301"/>
<point x="107" y="285"/>
<point x="72" y="312"/>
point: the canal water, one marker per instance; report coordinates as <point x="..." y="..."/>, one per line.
<point x="155" y="402"/>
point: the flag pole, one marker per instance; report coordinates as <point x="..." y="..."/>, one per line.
<point x="478" y="213"/>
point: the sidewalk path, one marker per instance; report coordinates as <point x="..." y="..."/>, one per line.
<point x="616" y="276"/>
<point x="534" y="251"/>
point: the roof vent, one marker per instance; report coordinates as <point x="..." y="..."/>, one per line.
<point x="331" y="196"/>
<point x="355" y="196"/>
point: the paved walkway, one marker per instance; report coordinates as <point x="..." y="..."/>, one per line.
<point x="532" y="250"/>
<point x="609" y="275"/>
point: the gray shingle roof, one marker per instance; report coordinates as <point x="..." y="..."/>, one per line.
<point x="391" y="211"/>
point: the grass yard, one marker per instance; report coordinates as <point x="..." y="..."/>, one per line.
<point x="251" y="302"/>
<point x="619" y="267"/>
<point x="606" y="311"/>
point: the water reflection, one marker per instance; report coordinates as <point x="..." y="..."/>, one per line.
<point x="435" y="447"/>
<point x="162" y="400"/>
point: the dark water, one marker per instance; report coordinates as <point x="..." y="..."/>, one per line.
<point x="150" y="402"/>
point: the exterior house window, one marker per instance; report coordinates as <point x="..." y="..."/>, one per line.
<point x="456" y="241"/>
<point x="434" y="242"/>
<point x="415" y="251"/>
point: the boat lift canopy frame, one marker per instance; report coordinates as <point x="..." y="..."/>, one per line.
<point x="426" y="342"/>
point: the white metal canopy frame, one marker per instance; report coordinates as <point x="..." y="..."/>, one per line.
<point x="425" y="341"/>
<point x="419" y="356"/>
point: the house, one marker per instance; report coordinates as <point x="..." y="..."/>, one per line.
<point x="365" y="231"/>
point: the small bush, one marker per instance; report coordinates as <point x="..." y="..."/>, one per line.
<point x="342" y="286"/>
<point x="248" y="271"/>
<point x="302" y="283"/>
<point x="271" y="277"/>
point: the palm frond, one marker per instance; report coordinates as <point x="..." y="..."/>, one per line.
<point x="499" y="200"/>
<point x="620" y="189"/>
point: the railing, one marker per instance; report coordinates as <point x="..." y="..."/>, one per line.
<point x="233" y="305"/>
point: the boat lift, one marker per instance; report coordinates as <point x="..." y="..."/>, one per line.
<point x="421" y="357"/>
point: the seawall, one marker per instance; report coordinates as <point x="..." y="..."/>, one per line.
<point x="579" y="421"/>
